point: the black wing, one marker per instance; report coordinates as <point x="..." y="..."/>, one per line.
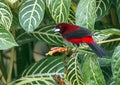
<point x="81" y="32"/>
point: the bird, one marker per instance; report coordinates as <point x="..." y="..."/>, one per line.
<point x="77" y="34"/>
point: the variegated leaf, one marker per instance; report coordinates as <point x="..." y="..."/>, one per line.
<point x="5" y="16"/>
<point x="59" y="9"/>
<point x="43" y="72"/>
<point x="116" y="65"/>
<point x="46" y="34"/>
<point x="102" y="7"/>
<point x="6" y="39"/>
<point x="31" y="14"/>
<point x="92" y="73"/>
<point x="73" y="72"/>
<point x="11" y="1"/>
<point x="85" y="14"/>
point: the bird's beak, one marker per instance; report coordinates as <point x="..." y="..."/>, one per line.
<point x="56" y="29"/>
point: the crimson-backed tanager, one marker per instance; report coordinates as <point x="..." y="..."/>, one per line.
<point x="76" y="34"/>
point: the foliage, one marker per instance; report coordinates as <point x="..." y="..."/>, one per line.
<point x="23" y="22"/>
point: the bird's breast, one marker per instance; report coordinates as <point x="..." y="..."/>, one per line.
<point x="87" y="39"/>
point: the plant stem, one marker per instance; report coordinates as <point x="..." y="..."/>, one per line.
<point x="105" y="41"/>
<point x="114" y="16"/>
<point x="111" y="40"/>
<point x="12" y="58"/>
<point x="2" y="68"/>
<point x="11" y="65"/>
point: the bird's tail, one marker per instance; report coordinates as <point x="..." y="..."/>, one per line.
<point x="97" y="49"/>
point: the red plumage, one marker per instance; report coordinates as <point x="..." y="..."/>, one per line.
<point x="76" y="35"/>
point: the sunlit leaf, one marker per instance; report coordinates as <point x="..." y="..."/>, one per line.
<point x="85" y="14"/>
<point x="116" y="65"/>
<point x="5" y="16"/>
<point x="31" y="14"/>
<point x="102" y="7"/>
<point x="91" y="70"/>
<point x="99" y="36"/>
<point x="46" y="34"/>
<point x="59" y="9"/>
<point x="111" y="31"/>
<point x="6" y="39"/>
<point x="43" y="72"/>
<point x="73" y="72"/>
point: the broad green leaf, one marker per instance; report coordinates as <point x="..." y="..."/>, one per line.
<point x="6" y="39"/>
<point x="73" y="72"/>
<point x="5" y="16"/>
<point x="91" y="70"/>
<point x="102" y="7"/>
<point x="116" y="65"/>
<point x="59" y="9"/>
<point x="85" y="14"/>
<point x="46" y="34"/>
<point x="99" y="36"/>
<point x="118" y="9"/>
<point x="104" y="62"/>
<point x="111" y="31"/>
<point x="43" y="72"/>
<point x="31" y="14"/>
<point x="23" y="37"/>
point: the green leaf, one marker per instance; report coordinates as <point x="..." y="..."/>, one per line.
<point x="111" y="31"/>
<point x="73" y="73"/>
<point x="91" y="70"/>
<point x="6" y="39"/>
<point x="71" y="18"/>
<point x="118" y="9"/>
<point x="104" y="62"/>
<point x="43" y="72"/>
<point x="102" y="8"/>
<point x="59" y="9"/>
<point x="46" y="34"/>
<point x="31" y="14"/>
<point x="5" y="16"/>
<point x="116" y="65"/>
<point x="23" y="37"/>
<point x="85" y="14"/>
<point x="100" y="36"/>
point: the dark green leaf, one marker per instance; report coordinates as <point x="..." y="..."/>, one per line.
<point x="102" y="7"/>
<point x="31" y="14"/>
<point x="59" y="9"/>
<point x="6" y="39"/>
<point x="85" y="14"/>
<point x="116" y="65"/>
<point x="118" y="9"/>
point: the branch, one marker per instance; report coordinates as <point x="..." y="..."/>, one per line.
<point x="110" y="40"/>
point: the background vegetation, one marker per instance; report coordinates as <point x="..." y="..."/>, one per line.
<point x="25" y="22"/>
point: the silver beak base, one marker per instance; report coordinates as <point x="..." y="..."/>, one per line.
<point x="56" y="29"/>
